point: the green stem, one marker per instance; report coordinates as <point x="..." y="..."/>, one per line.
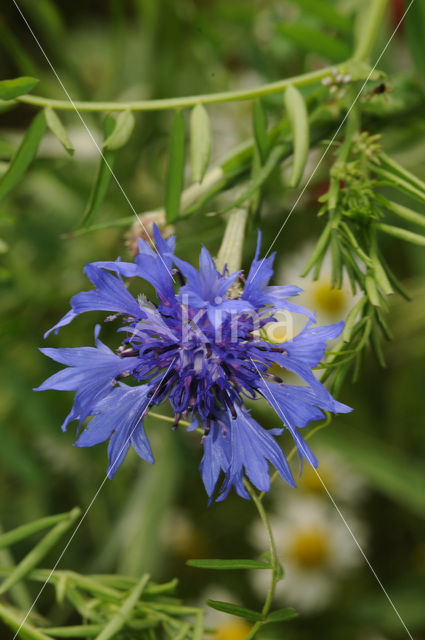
<point x="371" y="23"/>
<point x="175" y="103"/>
<point x="153" y="414"/>
<point x="273" y="558"/>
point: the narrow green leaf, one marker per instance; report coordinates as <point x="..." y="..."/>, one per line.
<point x="22" y="532"/>
<point x="315" y="40"/>
<point x="395" y="180"/>
<point x="281" y="615"/>
<point x="61" y="586"/>
<point x="354" y="244"/>
<point x="372" y="291"/>
<point x="402" y="234"/>
<point x="320" y="249"/>
<point x="336" y="269"/>
<point x="103" y="177"/>
<point x="122" y="131"/>
<point x="116" y="623"/>
<point x="327" y="13"/>
<point x="384" y="324"/>
<point x="377" y="347"/>
<point x="200" y="142"/>
<point x="380" y="275"/>
<point x="56" y="127"/>
<point x="415" y="31"/>
<point x="405" y="213"/>
<point x="198" y="629"/>
<point x="349" y="268"/>
<point x="10" y="89"/>
<point x="396" y="283"/>
<point x="39" y="551"/>
<point x="13" y="619"/>
<point x="351" y="319"/>
<point x="24" y="154"/>
<point x="80" y="631"/>
<point x="228" y="564"/>
<point x="175" y="174"/>
<point x="235" y="610"/>
<point x="259" y="124"/>
<point x="398" y="169"/>
<point x="297" y="113"/>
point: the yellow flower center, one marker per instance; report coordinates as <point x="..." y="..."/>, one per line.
<point x="310" y="549"/>
<point x="232" y="630"/>
<point x="330" y="300"/>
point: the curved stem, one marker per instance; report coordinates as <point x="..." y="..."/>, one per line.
<point x="274" y="561"/>
<point x="177" y="103"/>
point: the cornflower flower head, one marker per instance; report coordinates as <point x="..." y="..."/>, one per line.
<point x="202" y="347"/>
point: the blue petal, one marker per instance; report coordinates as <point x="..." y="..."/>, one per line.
<point x="118" y="417"/>
<point x="251" y="447"/>
<point x="208" y="274"/>
<point x="216" y="457"/>
<point x="110" y="294"/>
<point x="140" y="443"/>
<point x="126" y="269"/>
<point x="92" y="374"/>
<point x="292" y="417"/>
<point x="67" y="318"/>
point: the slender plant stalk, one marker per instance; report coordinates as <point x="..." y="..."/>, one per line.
<point x="274" y="561"/>
<point x="177" y="103"/>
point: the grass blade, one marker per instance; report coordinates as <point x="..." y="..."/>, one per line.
<point x="9" y="538"/>
<point x="39" y="551"/>
<point x="174" y="181"/>
<point x="24" y="155"/>
<point x="116" y="623"/>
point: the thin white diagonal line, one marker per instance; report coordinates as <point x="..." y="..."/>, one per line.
<point x="83" y="517"/>
<point x="102" y="155"/>
<point x="325" y="153"/>
<point x="276" y="405"/>
<point x="363" y="554"/>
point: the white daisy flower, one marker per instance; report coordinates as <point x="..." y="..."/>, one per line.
<point x="315" y="549"/>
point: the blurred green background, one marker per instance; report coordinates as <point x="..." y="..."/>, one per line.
<point x="155" y="518"/>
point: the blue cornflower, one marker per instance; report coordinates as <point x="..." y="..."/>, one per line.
<point x="203" y="347"/>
